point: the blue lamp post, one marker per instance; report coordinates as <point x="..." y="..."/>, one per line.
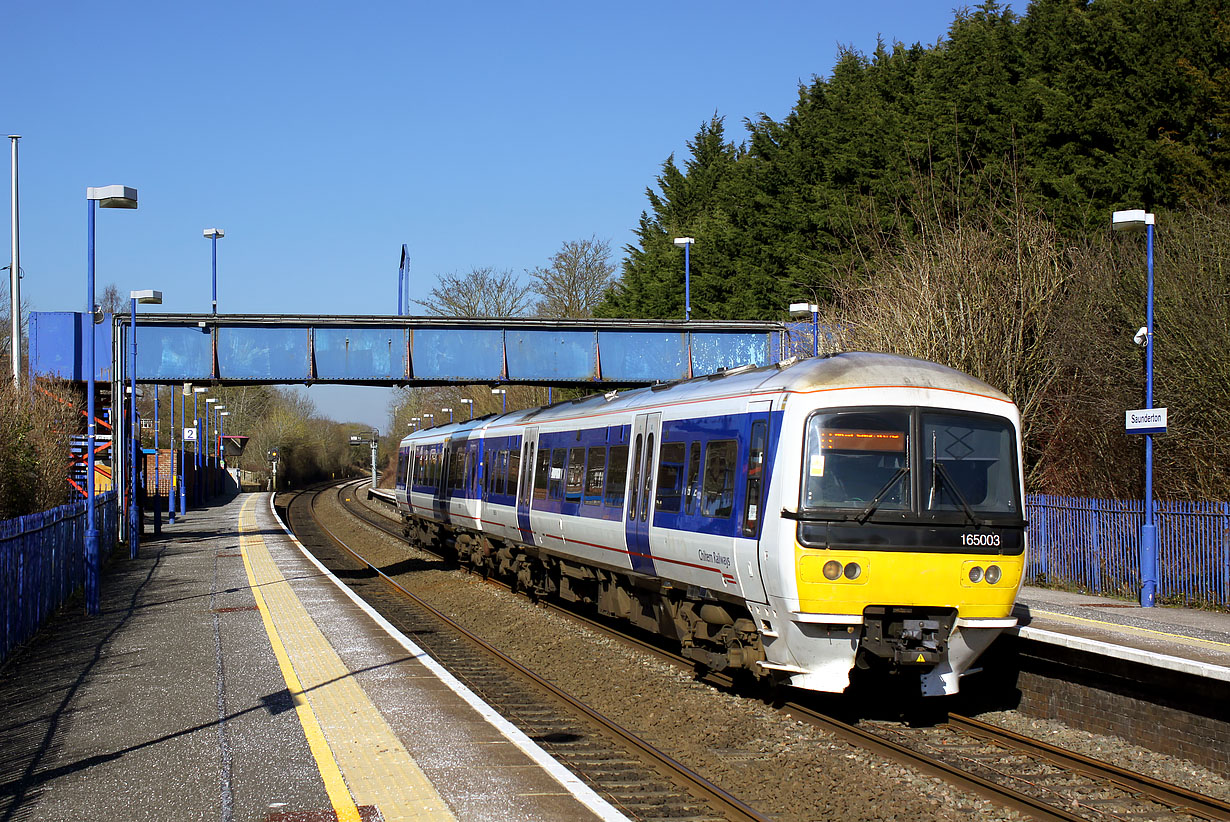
<point x="1137" y="220"/>
<point x="802" y="310"/>
<point x="105" y="197"/>
<point x="146" y="297"/>
<point x="217" y="443"/>
<point x="222" y="438"/>
<point x="686" y="242"/>
<point x="503" y="398"/>
<point x="198" y="493"/>
<point x="183" y="449"/>
<point x="210" y="462"/>
<point x="157" y="472"/>
<point x="471" y="404"/>
<point x="450" y="414"/>
<point x="214" y="234"/>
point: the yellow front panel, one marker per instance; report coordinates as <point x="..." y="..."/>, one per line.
<point x="891" y="578"/>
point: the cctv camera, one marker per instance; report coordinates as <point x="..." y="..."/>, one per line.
<point x="1142" y="336"/>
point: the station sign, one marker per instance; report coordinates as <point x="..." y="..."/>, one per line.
<point x="1146" y="421"/>
<point x="190" y="434"/>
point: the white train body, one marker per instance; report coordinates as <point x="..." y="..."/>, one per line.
<point x="717" y="511"/>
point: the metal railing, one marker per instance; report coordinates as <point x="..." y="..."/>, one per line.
<point x="42" y="563"/>
<point x="1094" y="544"/>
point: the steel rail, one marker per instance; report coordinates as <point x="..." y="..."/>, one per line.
<point x="1178" y="798"/>
<point x="731" y="806"/>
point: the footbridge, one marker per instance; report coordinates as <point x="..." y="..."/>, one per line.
<point x="238" y="349"/>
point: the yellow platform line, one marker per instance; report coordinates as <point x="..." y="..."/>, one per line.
<point x="1181" y="639"/>
<point x="345" y="731"/>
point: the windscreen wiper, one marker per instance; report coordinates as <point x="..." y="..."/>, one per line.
<point x="801" y="516"/>
<point x="956" y="489"/>
<point x="888" y="486"/>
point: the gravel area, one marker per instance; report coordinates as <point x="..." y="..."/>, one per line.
<point x="783" y="767"/>
<point x="1116" y="751"/>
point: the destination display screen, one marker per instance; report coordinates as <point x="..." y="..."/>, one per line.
<point x="845" y="439"/>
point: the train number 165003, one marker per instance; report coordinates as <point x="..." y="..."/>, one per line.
<point x="980" y="540"/>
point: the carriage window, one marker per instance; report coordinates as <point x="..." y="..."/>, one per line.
<point x="617" y="476"/>
<point x="501" y="471"/>
<point x="527" y="464"/>
<point x="488" y="470"/>
<point x="693" y="488"/>
<point x="636" y="474"/>
<point x="595" y="474"/>
<point x="542" y="472"/>
<point x="457" y="468"/>
<point x="648" y="477"/>
<point x="472" y="470"/>
<point x="576" y="475"/>
<point x="514" y="470"/>
<point x="755" y="480"/>
<point x="717" y="496"/>
<point x="556" y="487"/>
<point x="670" y="476"/>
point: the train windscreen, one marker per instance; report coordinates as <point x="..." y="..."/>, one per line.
<point x="933" y="464"/>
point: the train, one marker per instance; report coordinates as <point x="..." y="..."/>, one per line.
<point x="792" y="522"/>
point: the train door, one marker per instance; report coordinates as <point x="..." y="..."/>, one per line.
<point x="752" y="552"/>
<point x="525" y="483"/>
<point x="646" y="432"/>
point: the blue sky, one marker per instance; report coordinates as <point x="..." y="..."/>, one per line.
<point x="322" y="136"/>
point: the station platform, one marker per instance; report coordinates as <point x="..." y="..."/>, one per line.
<point x="231" y="677"/>
<point x="1184" y="640"/>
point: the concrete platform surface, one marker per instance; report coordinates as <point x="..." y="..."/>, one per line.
<point x="229" y="677"/>
<point x="1181" y="639"/>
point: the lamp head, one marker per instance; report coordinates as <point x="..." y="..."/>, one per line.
<point x="1131" y="220"/>
<point x="211" y="233"/>
<point x="803" y="309"/>
<point x="681" y="241"/>
<point x="113" y="196"/>
<point x="146" y="297"/>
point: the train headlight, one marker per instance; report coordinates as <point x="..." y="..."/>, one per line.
<point x="993" y="574"/>
<point x="975" y="573"/>
<point x="853" y="570"/>
<point x="832" y="570"/>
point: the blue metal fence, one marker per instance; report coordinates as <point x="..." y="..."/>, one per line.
<point x="42" y="562"/>
<point x="1094" y="544"/>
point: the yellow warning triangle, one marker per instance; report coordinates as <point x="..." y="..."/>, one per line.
<point x="921" y="658"/>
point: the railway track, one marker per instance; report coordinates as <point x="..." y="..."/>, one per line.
<point x="642" y="781"/>
<point x="1036" y="779"/>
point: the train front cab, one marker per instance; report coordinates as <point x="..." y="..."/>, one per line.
<point x="907" y="541"/>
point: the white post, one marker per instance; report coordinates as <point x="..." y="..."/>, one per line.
<point x="374" y="435"/>
<point x="15" y="277"/>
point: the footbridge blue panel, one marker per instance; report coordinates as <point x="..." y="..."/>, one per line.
<point x="175" y="353"/>
<point x="461" y="354"/>
<point x="360" y="353"/>
<point x="399" y="350"/>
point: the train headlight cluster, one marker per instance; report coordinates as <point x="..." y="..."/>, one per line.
<point x="992" y="575"/>
<point x="834" y="570"/>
